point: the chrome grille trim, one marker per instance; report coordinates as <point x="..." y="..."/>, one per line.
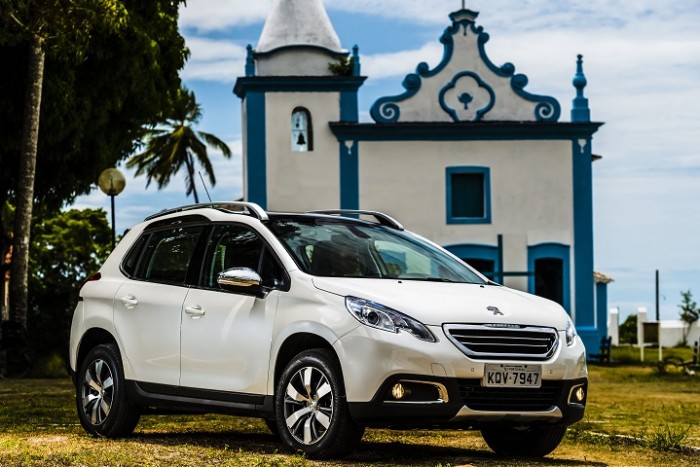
<point x="503" y="342"/>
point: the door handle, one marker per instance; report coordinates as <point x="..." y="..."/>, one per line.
<point x="195" y="311"/>
<point x="129" y="302"/>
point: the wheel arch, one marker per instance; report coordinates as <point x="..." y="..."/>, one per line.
<point x="92" y="338"/>
<point x="294" y="345"/>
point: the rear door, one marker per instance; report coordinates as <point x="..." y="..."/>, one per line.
<point x="148" y="305"/>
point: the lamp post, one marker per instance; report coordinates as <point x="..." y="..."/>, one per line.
<point x="112" y="182"/>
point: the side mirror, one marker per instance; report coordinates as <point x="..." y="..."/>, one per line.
<point x="243" y="281"/>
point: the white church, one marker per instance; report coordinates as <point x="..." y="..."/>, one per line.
<point x="464" y="155"/>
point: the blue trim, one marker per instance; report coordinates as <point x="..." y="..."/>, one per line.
<point x="547" y="108"/>
<point x="601" y="298"/>
<point x="499" y="277"/>
<point x="249" y="84"/>
<point x="453" y="84"/>
<point x="249" y="61"/>
<point x="349" y="176"/>
<point x="486" y="172"/>
<point x="463" y="131"/>
<point x="387" y="110"/>
<point x="356" y="67"/>
<point x="580" y="111"/>
<point x="332" y="53"/>
<point x="256" y="164"/>
<point x="583" y="232"/>
<point x="349" y="157"/>
<point x="557" y="251"/>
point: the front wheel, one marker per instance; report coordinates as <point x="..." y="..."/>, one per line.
<point x="312" y="413"/>
<point x="529" y="441"/>
<point x="103" y="406"/>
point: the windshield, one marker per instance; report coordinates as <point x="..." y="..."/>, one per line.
<point x="343" y="248"/>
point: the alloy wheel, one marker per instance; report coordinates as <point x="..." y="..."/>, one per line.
<point x="97" y="391"/>
<point x="308" y="405"/>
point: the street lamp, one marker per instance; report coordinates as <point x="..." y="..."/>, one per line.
<point x="112" y="182"/>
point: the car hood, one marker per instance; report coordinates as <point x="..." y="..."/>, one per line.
<point x="437" y="303"/>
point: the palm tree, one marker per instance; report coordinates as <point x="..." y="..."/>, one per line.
<point x="168" y="149"/>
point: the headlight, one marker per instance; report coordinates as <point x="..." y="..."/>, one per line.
<point x="570" y="333"/>
<point x="380" y="317"/>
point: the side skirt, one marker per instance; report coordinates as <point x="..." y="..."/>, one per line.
<point x="162" y="398"/>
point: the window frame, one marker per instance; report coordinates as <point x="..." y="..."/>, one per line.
<point x="309" y="129"/>
<point x="486" y="173"/>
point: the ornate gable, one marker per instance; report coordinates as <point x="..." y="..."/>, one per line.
<point x="465" y="86"/>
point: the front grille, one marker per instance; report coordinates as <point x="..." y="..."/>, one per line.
<point x="503" y="342"/>
<point x="477" y="397"/>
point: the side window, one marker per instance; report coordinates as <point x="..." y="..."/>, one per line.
<point x="468" y="195"/>
<point x="131" y="260"/>
<point x="302" y="135"/>
<point x="231" y="246"/>
<point x="167" y="255"/>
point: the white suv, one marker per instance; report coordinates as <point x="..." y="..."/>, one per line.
<point x="322" y="324"/>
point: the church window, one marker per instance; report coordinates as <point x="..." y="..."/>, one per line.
<point x="468" y="195"/>
<point x="302" y="135"/>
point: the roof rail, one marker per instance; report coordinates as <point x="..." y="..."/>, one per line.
<point x="253" y="209"/>
<point x="382" y="218"/>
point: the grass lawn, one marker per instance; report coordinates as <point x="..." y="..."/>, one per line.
<point x="635" y="417"/>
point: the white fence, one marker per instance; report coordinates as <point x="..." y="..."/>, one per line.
<point x="671" y="330"/>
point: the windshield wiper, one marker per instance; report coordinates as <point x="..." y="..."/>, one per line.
<point x="434" y="279"/>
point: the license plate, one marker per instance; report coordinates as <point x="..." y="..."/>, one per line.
<point x="512" y="376"/>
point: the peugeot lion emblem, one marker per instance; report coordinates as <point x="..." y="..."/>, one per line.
<point x="495" y="310"/>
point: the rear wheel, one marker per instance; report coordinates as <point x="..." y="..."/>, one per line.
<point x="312" y="413"/>
<point x="529" y="441"/>
<point x="103" y="406"/>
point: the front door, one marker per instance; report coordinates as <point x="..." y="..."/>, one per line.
<point x="226" y="337"/>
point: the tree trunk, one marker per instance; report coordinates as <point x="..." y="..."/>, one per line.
<point x="190" y="173"/>
<point x="25" y="183"/>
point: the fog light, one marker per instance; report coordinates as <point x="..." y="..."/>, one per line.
<point x="398" y="391"/>
<point x="578" y="395"/>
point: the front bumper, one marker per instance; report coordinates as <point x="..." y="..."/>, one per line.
<point x="464" y="403"/>
<point x="373" y="361"/>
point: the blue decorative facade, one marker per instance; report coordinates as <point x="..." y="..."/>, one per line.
<point x="464" y="155"/>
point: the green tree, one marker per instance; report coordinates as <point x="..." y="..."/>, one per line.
<point x="38" y="22"/>
<point x="178" y="144"/>
<point x="689" y="313"/>
<point x="66" y="248"/>
<point x="110" y="67"/>
<point x="628" y="330"/>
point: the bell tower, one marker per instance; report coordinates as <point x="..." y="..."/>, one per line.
<point x="298" y="80"/>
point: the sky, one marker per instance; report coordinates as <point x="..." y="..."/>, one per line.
<point x="642" y="61"/>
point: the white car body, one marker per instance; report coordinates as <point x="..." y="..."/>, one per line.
<point x="186" y="346"/>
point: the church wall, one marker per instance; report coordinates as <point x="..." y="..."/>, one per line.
<point x="408" y="181"/>
<point x="300" y="180"/>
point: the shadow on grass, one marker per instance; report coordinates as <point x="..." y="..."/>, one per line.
<point x="367" y="453"/>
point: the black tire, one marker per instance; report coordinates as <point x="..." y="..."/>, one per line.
<point x="311" y="408"/>
<point x="530" y="442"/>
<point x="101" y="399"/>
<point x="272" y="426"/>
